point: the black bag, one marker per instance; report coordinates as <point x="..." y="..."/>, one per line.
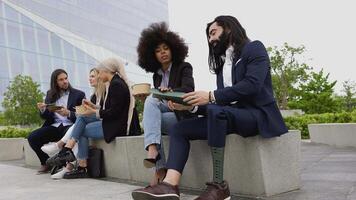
<point x="96" y="163"/>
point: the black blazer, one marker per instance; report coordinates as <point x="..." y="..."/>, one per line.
<point x="180" y="80"/>
<point x="252" y="88"/>
<point x="116" y="110"/>
<point x="74" y="99"/>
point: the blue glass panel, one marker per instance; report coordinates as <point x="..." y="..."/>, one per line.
<point x="46" y="69"/>
<point x="91" y="61"/>
<point x="26" y="21"/>
<point x="71" y="72"/>
<point x="56" y="45"/>
<point x="80" y="55"/>
<point x="17" y="66"/>
<point x="4" y="68"/>
<point x="68" y="50"/>
<point x="57" y="63"/>
<point x="43" y="44"/>
<point x="82" y="74"/>
<point x="1" y="5"/>
<point x="2" y="32"/>
<point x="13" y="34"/>
<point x="31" y="64"/>
<point x="29" y="38"/>
<point x="11" y="14"/>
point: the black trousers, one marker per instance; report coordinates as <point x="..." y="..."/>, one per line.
<point x="219" y="121"/>
<point x="42" y="136"/>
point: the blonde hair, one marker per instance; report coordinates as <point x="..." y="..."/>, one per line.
<point x="99" y="88"/>
<point x="115" y="66"/>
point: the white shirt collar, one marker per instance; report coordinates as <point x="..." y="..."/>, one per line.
<point x="228" y="53"/>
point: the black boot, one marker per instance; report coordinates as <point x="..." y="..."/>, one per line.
<point x="60" y="159"/>
<point x="80" y="172"/>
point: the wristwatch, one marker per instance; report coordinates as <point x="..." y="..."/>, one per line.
<point x="211" y="97"/>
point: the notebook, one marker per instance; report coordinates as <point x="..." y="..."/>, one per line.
<point x="176" y="97"/>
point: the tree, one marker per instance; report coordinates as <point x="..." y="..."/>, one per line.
<point x="287" y="72"/>
<point x="316" y="95"/>
<point x="20" y="101"/>
<point x="350" y="95"/>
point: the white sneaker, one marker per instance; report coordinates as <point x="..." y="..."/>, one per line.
<point x="50" y="148"/>
<point x="60" y="174"/>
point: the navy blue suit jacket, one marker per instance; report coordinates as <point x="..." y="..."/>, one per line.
<point x="252" y="89"/>
<point x="74" y="99"/>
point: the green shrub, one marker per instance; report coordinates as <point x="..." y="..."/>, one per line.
<point x="20" y="101"/>
<point x="2" y="119"/>
<point x="301" y="122"/>
<point x="13" y="132"/>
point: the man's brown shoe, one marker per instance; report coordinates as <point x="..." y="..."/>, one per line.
<point x="43" y="169"/>
<point x="216" y="191"/>
<point x="162" y="191"/>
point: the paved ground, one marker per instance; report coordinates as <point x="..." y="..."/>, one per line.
<point x="328" y="173"/>
<point x="19" y="183"/>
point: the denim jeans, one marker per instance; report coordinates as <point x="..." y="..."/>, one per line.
<point x="86" y="127"/>
<point x="67" y="136"/>
<point x="157" y="119"/>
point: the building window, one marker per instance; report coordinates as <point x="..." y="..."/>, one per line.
<point x="13" y="34"/>
<point x="17" y="66"/>
<point x="11" y="14"/>
<point x="56" y="46"/>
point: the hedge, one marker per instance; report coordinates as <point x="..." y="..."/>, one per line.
<point x="13" y="132"/>
<point x="301" y="122"/>
<point x="293" y="123"/>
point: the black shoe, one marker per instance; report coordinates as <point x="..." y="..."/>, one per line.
<point x="80" y="172"/>
<point x="60" y="159"/>
<point x="151" y="162"/>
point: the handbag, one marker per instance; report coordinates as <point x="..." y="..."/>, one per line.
<point x="96" y="167"/>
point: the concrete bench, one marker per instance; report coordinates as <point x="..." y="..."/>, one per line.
<point x="253" y="166"/>
<point x="11" y="148"/>
<point x="31" y="158"/>
<point x="337" y="134"/>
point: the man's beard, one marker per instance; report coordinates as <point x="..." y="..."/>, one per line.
<point x="64" y="88"/>
<point x="221" y="45"/>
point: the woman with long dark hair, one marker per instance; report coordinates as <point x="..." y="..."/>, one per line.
<point x="162" y="52"/>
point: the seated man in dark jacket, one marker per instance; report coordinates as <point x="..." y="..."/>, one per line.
<point x="243" y="103"/>
<point x="57" y="120"/>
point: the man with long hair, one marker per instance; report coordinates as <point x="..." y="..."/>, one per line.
<point x="243" y="103"/>
<point x="58" y="112"/>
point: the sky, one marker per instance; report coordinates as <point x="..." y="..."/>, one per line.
<point x="326" y="28"/>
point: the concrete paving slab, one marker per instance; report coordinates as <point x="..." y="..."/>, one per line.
<point x="328" y="173"/>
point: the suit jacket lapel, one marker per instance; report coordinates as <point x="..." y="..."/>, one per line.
<point x="219" y="80"/>
<point x="234" y="68"/>
<point x="173" y="76"/>
<point x="70" y="100"/>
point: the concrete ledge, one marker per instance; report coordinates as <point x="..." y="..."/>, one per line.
<point x="253" y="166"/>
<point x="11" y="148"/>
<point x="337" y="134"/>
<point x="31" y="158"/>
<point x="291" y="113"/>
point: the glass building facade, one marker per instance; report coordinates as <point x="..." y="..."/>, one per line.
<point x="29" y="48"/>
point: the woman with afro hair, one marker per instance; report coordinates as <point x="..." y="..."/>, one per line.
<point x="162" y="52"/>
